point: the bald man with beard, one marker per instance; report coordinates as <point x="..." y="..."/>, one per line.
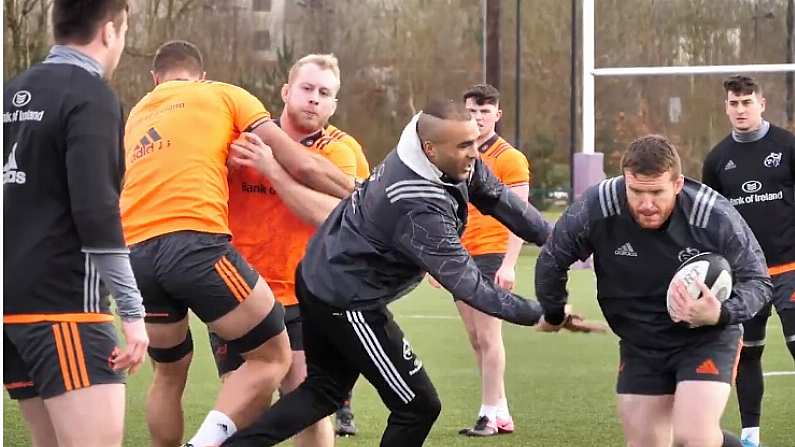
<point x="374" y="248"/>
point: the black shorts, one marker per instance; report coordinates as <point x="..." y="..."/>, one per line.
<point x="642" y="371"/>
<point x="50" y="358"/>
<point x="190" y="270"/>
<point x="784" y="301"/>
<point x="488" y="264"/>
<point x="227" y="356"/>
<point x="784" y="291"/>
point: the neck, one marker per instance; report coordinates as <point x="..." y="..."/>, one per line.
<point x="178" y="75"/>
<point x="88" y="57"/>
<point x="483" y="139"/>
<point x="295" y="132"/>
<point x="749" y="136"/>
<point x="92" y="50"/>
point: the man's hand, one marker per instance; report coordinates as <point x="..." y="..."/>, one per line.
<point x="505" y="277"/>
<point x="135" y="352"/>
<point x="701" y="312"/>
<point x="572" y="322"/>
<point x="576" y="323"/>
<point x="248" y="150"/>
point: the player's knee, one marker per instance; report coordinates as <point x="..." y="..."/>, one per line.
<point x="174" y="353"/>
<point x="697" y="437"/>
<point x="427" y="407"/>
<point x="267" y="341"/>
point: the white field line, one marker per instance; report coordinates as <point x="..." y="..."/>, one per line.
<point x="779" y="373"/>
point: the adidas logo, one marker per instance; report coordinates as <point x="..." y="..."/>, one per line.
<point x="730" y="165"/>
<point x="626" y="250"/>
<point x="11" y="172"/>
<point x="708" y="367"/>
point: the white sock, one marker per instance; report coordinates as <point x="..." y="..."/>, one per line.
<point x="215" y="429"/>
<point x="502" y="409"/>
<point x="751" y="434"/>
<point x="482" y="411"/>
<point x="490" y="411"/>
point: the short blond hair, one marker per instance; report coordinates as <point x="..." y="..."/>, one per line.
<point x="323" y="61"/>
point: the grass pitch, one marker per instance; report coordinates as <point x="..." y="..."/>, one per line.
<point x="560" y="386"/>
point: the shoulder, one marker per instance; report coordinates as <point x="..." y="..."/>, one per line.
<point x="702" y="204"/>
<point x="412" y="191"/>
<point x="781" y="136"/>
<point x="340" y="135"/>
<point x="718" y="149"/>
<point x="87" y="89"/>
<point x="606" y="199"/>
<point x="229" y="90"/>
<point x="330" y="147"/>
<point x="407" y="191"/>
<point x="502" y="148"/>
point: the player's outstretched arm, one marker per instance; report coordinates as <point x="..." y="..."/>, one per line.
<point x="311" y="206"/>
<point x="493" y="198"/>
<point x="431" y="240"/>
<point x="310" y="169"/>
<point x="567" y="244"/>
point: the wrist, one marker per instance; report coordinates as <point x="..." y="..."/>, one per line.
<point x="723" y="317"/>
<point x="555" y="317"/>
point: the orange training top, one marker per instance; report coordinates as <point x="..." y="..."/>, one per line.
<point x="484" y="234"/>
<point x="265" y="231"/>
<point x="176" y="143"/>
<point x="362" y="166"/>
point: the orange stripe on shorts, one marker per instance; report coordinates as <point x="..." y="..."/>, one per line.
<point x="229" y="284"/>
<point x="239" y="280"/>
<point x="81" y="359"/>
<point x="782" y="268"/>
<point x="67" y="383"/>
<point x="70" y="355"/>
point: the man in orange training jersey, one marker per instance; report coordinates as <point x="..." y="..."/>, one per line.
<point x="175" y="216"/>
<point x="495" y="250"/>
<point x="276" y="248"/>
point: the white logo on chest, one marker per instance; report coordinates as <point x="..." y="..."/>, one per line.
<point x="773" y="160"/>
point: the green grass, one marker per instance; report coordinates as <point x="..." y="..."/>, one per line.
<point x="560" y="386"/>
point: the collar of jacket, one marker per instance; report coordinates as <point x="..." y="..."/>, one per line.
<point x="409" y="150"/>
<point x="62" y="54"/>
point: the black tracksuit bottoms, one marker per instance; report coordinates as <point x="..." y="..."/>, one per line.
<point x="339" y="345"/>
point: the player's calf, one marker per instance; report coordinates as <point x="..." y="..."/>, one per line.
<point x="788" y="323"/>
<point x="256" y="329"/>
<point x="409" y="424"/>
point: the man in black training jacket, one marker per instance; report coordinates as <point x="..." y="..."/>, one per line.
<point x="676" y="368"/>
<point x="374" y="248"/>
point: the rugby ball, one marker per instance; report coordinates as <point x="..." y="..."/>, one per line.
<point x="712" y="269"/>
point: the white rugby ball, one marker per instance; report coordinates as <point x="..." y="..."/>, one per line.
<point x="712" y="269"/>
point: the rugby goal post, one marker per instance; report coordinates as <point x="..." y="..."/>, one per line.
<point x="588" y="166"/>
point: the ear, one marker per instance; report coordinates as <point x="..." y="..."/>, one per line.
<point x="499" y="115"/>
<point x="763" y="103"/>
<point x="155" y="78"/>
<point x="679" y="183"/>
<point x="108" y="33"/>
<point x="333" y="107"/>
<point x="285" y="92"/>
<point x="427" y="147"/>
